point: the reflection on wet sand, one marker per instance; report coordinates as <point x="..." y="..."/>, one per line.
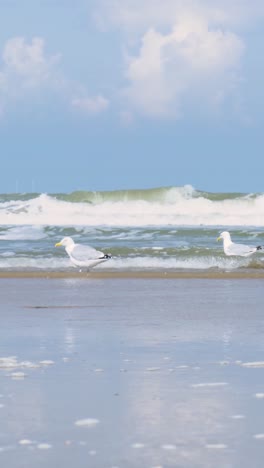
<point x="143" y="373"/>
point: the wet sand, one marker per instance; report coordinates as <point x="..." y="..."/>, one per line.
<point x="245" y="273"/>
<point x="104" y="372"/>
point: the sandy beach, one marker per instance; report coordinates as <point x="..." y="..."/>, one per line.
<point x="246" y="273"/>
<point x="133" y="372"/>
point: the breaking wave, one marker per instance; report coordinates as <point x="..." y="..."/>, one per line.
<point x="182" y="206"/>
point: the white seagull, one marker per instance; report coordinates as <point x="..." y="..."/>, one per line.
<point x="241" y="250"/>
<point x="82" y="255"/>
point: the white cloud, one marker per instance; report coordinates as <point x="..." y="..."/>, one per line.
<point x="139" y="15"/>
<point x="28" y="70"/>
<point x="189" y="61"/>
<point x="185" y="53"/>
<point x="28" y="61"/>
<point x="91" y="105"/>
<point x="25" y="65"/>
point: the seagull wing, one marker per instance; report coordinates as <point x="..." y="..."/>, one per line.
<point x="241" y="250"/>
<point x="82" y="253"/>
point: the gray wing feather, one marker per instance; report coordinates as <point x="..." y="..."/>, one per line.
<point x="84" y="252"/>
<point x="241" y="249"/>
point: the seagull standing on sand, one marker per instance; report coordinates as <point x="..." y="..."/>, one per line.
<point x="241" y="250"/>
<point x="82" y="255"/>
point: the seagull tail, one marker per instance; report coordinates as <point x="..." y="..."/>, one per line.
<point x="259" y="247"/>
<point x="106" y="256"/>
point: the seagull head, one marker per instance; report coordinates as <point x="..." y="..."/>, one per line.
<point x="225" y="236"/>
<point x="65" y="242"/>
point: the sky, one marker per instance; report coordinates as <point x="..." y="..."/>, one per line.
<point x="125" y="94"/>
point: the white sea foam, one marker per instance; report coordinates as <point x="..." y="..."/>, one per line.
<point x="12" y="363"/>
<point x="28" y="365"/>
<point x="7" y="254"/>
<point x="47" y="362"/>
<point x="9" y="362"/>
<point x="18" y="375"/>
<point x="174" y="263"/>
<point x="138" y="445"/>
<point x="25" y="262"/>
<point x="209" y="384"/>
<point x="128" y="263"/>
<point x="29" y="234"/>
<point x="44" y="446"/>
<point x="254" y="364"/>
<point x="25" y="442"/>
<point x="23" y="233"/>
<point x="88" y="422"/>
<point x="175" y="206"/>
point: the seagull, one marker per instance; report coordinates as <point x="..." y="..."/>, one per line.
<point x="82" y="255"/>
<point x="241" y="250"/>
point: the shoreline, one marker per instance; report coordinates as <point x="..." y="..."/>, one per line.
<point x="195" y="274"/>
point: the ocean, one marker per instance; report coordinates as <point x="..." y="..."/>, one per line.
<point x="159" y="229"/>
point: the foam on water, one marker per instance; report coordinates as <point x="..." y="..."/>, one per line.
<point x="209" y="384"/>
<point x="156" y="262"/>
<point x="46" y="362"/>
<point x="11" y="363"/>
<point x="25" y="262"/>
<point x="23" y="233"/>
<point x="18" y="375"/>
<point x="125" y="263"/>
<point x="44" y="446"/>
<point x="88" y="422"/>
<point x="143" y="230"/>
<point x="254" y="364"/>
<point x="25" y="442"/>
<point x="138" y="445"/>
<point x="162" y="206"/>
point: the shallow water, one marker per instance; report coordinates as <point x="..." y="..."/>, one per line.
<point x="148" y="248"/>
<point x="159" y="229"/>
<point x="131" y="373"/>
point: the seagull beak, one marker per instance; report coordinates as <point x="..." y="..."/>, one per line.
<point x="219" y="238"/>
<point x="58" y="244"/>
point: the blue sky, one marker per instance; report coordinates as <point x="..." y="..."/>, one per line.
<point x="119" y="94"/>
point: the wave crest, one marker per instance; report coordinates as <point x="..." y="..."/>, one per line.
<point x="157" y="206"/>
